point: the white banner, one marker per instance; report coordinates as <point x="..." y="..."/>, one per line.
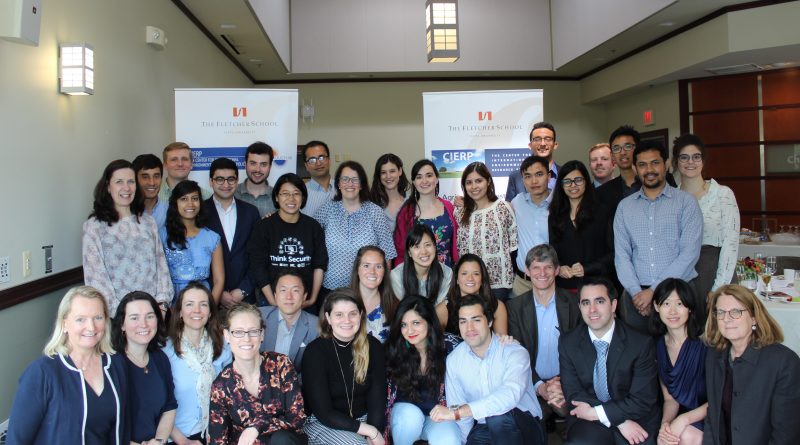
<point x="223" y="122"/>
<point x="492" y="127"/>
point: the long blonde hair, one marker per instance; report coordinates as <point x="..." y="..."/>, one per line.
<point x="58" y="341"/>
<point x="767" y="330"/>
<point x="360" y="342"/>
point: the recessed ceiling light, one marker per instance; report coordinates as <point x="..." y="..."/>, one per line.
<point x="256" y="60"/>
<point x="228" y="26"/>
<point x="666" y="24"/>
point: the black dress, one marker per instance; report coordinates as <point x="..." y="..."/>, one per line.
<point x="592" y="245"/>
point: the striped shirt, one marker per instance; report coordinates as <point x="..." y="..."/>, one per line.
<point x="656" y="239"/>
<point x="317" y="197"/>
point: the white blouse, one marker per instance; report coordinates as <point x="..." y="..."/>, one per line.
<point x="721" y="228"/>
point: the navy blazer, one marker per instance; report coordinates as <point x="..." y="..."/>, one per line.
<point x="524" y="327"/>
<point x="236" y="260"/>
<point x="306" y="329"/>
<point x="632" y="376"/>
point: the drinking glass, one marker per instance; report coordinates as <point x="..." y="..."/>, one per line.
<point x="750" y="281"/>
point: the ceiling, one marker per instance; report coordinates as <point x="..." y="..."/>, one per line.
<point x="234" y="28"/>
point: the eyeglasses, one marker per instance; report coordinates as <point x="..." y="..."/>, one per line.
<point x="735" y="314"/>
<point x="574" y="181"/>
<point x="348" y="179"/>
<point x="539" y="139"/>
<point x="240" y="333"/>
<point x="219" y="180"/>
<point x="315" y="159"/>
<point x="618" y="148"/>
<point x="287" y="195"/>
<point x="684" y="158"/>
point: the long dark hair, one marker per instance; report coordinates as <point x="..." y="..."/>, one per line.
<point x="403" y="361"/>
<point x="378" y="191"/>
<point x="435" y="274"/>
<point x="388" y="298"/>
<point x="413" y="200"/>
<point x="103" y="206"/>
<point x="685" y="291"/>
<point x="560" y="207"/>
<point x="118" y="339"/>
<point x="469" y="203"/>
<point x="176" y="230"/>
<point x="454" y="296"/>
<point x="175" y="328"/>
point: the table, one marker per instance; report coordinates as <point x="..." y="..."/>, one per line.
<point x="786" y="314"/>
<point x="768" y="249"/>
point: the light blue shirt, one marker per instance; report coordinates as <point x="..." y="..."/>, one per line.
<point x="532" y="228"/>
<point x="188" y="418"/>
<point x="656" y="239"/>
<point x="317" y="197"/>
<point x="547" y="324"/>
<point x="347" y="232"/>
<point x="159" y="213"/>
<point x="283" y="341"/>
<point x="492" y="385"/>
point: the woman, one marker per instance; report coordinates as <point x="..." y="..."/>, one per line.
<point x="416" y="354"/>
<point x="138" y="332"/>
<point x="425" y="207"/>
<point x="580" y="228"/>
<point x="389" y="186"/>
<point x="288" y="239"/>
<point x="720" y="245"/>
<point x="471" y="277"/>
<point x="121" y="248"/>
<point x="351" y="221"/>
<point x="256" y="399"/>
<point x="344" y="377"/>
<point x="369" y="282"/>
<point x="196" y="354"/>
<point x="487" y="228"/>
<point x="753" y="381"/>
<point x="77" y="392"/>
<point x="681" y="358"/>
<point x="421" y="273"/>
<point x="193" y="251"/>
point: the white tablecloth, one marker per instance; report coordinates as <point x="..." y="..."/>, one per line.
<point x="786" y="314"/>
<point x="768" y="249"/>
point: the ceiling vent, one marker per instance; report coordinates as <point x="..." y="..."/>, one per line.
<point x="735" y="69"/>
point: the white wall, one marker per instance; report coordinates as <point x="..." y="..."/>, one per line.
<point x="54" y="147"/>
<point x="365" y="120"/>
<point x="275" y="16"/>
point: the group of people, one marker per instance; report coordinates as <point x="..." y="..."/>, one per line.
<point x="210" y="316"/>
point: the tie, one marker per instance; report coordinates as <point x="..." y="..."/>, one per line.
<point x="600" y="376"/>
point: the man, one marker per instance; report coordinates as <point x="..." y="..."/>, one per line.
<point x="255" y="189"/>
<point x="488" y="384"/>
<point x="623" y="141"/>
<point x="178" y="164"/>
<point x="608" y="374"/>
<point x="601" y="164"/>
<point x="149" y="169"/>
<point x="233" y="220"/>
<point x="657" y="235"/>
<point x="543" y="144"/>
<point x="531" y="211"/>
<point x="321" y="188"/>
<point x="289" y="328"/>
<point x="538" y="318"/>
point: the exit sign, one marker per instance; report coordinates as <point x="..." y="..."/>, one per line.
<point x="648" y="118"/>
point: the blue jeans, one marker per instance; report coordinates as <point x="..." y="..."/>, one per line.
<point x="512" y="428"/>
<point x="410" y="424"/>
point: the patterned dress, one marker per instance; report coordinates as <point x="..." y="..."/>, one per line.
<point x="492" y="235"/>
<point x="193" y="262"/>
<point x="444" y="231"/>
<point x="375" y="325"/>
<point x="278" y="406"/>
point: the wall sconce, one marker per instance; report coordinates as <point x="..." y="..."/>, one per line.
<point x="76" y="65"/>
<point x="441" y="28"/>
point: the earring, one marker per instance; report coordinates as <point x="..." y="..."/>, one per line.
<point x="754" y="327"/>
<point x="407" y="344"/>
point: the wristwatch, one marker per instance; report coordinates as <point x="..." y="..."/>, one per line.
<point x="161" y="441"/>
<point x="244" y="294"/>
<point x="454" y="409"/>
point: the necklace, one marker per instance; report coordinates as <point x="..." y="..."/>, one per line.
<point x="138" y="362"/>
<point x="351" y="396"/>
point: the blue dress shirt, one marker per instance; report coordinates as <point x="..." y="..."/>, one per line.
<point x="532" y="228"/>
<point x="547" y="326"/>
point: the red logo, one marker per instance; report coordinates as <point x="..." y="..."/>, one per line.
<point x="239" y="111"/>
<point x="484" y="115"/>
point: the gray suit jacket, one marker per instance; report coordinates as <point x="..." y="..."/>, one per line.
<point x="524" y="327"/>
<point x="306" y="330"/>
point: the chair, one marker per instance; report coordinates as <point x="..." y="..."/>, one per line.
<point x="787" y="262"/>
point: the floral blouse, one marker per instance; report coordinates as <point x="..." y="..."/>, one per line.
<point x="375" y="324"/>
<point x="492" y="235"/>
<point x="279" y="405"/>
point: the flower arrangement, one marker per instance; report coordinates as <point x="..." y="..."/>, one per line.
<point x="755" y="265"/>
